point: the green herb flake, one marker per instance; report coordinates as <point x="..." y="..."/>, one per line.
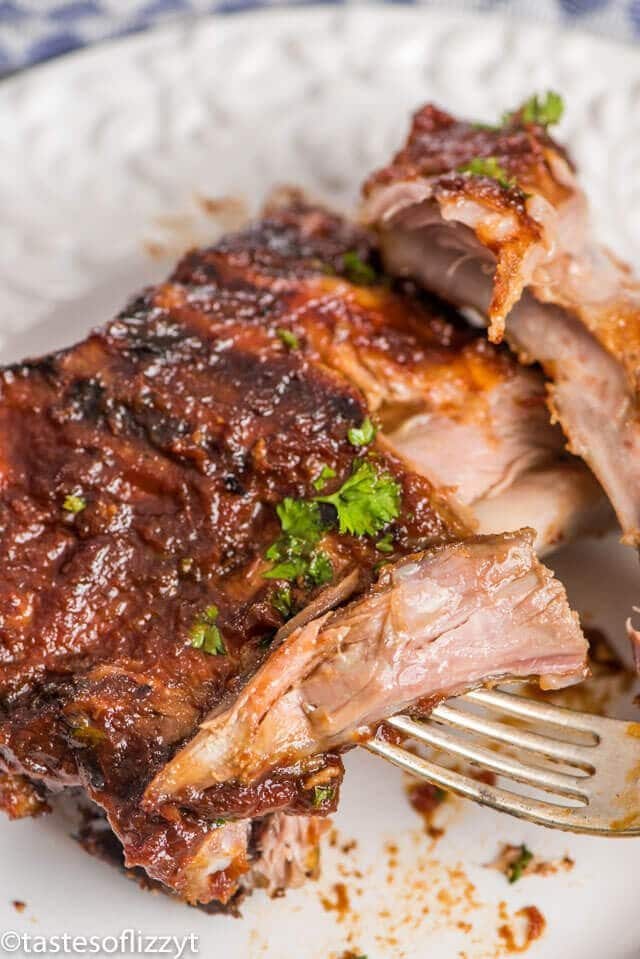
<point x="213" y="642"/>
<point x="186" y="564"/>
<point x="385" y="544"/>
<point x="516" y="868"/>
<point x="490" y="127"/>
<point x="302" y="528"/>
<point x="322" y="266"/>
<point x="320" y="570"/>
<point x="367" y="501"/>
<point x="489" y="167"/>
<point x="220" y="822"/>
<point x="289" y="339"/>
<point x="543" y="110"/>
<point x="326" y="473"/>
<point x="322" y="795"/>
<point x="357" y="270"/>
<point x="300" y="519"/>
<point x="289" y="569"/>
<point x="87" y="734"/>
<point x="362" y="435"/>
<point x="205" y="635"/>
<point x="73" y="503"/>
<point x="281" y="601"/>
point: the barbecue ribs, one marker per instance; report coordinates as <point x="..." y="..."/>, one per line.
<point x="494" y="219"/>
<point x="216" y="575"/>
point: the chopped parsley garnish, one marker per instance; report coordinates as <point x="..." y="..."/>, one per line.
<point x="385" y="544"/>
<point x="516" y="868"/>
<point x="366" y="501"/>
<point x="320" y="570"/>
<point x="205" y="635"/>
<point x="289" y="339"/>
<point x="220" y="822"/>
<point x="281" y="600"/>
<point x="322" y="794"/>
<point x="300" y="519"/>
<point x="362" y="435"/>
<point x="491" y="127"/>
<point x="302" y="528"/>
<point x="314" y="565"/>
<point x="326" y="473"/>
<point x="357" y="271"/>
<point x="289" y="569"/>
<point x="488" y="166"/>
<point x="73" y="503"/>
<point x="544" y="110"/>
<point x="88" y="734"/>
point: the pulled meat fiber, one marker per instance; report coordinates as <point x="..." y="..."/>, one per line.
<point x="518" y="249"/>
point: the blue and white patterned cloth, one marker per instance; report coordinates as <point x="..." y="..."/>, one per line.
<point x="34" y="30"/>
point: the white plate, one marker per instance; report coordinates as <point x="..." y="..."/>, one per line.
<point x="105" y="154"/>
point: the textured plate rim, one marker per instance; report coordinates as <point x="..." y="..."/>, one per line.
<point x="257" y="10"/>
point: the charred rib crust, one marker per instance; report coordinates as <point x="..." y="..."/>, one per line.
<point x="177" y="427"/>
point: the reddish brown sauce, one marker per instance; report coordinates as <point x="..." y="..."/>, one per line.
<point x="339" y="903"/>
<point x="427" y="799"/>
<point x="535" y="925"/>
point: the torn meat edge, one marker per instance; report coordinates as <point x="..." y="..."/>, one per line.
<point x="437" y="624"/>
<point x="521" y="253"/>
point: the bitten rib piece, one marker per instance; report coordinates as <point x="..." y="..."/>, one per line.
<point x="494" y="219"/>
<point x="435" y="625"/>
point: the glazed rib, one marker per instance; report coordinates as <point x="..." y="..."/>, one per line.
<point x="493" y="218"/>
<point x="142" y="473"/>
<point x="434" y="625"/>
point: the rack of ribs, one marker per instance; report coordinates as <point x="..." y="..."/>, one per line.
<point x="239" y="528"/>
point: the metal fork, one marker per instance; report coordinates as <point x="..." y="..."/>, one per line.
<point x="595" y="787"/>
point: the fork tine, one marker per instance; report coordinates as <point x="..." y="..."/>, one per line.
<point x="546" y="779"/>
<point x="570" y="753"/>
<point x="538" y="712"/>
<point x="604" y="802"/>
<point x="543" y="813"/>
